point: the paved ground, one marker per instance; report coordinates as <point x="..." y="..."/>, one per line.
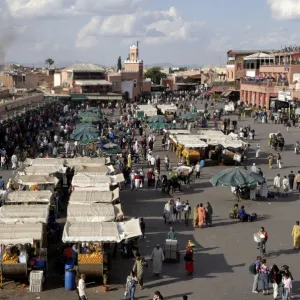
<point x="224" y="251"/>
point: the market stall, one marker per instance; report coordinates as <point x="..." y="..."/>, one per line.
<point x="88" y="197"/>
<point x="29" y="254"/>
<point x="43" y="170"/>
<point x="39" y="181"/>
<point x="94" y="212"/>
<point x="99" y="237"/>
<point x="177" y="132"/>
<point x="87" y="161"/>
<point x="94" y="169"/>
<point x="144" y="111"/>
<point x="26" y="214"/>
<point x="167" y="108"/>
<point x="29" y="197"/>
<point x="96" y="182"/>
<point x="193" y="151"/>
<point x="58" y="162"/>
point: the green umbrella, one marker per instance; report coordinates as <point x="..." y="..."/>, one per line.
<point x="113" y="151"/>
<point x="157" y="119"/>
<point x="159" y="125"/>
<point x="85" y="126"/>
<point x="190" y="116"/>
<point x="90" y="119"/>
<point x="84" y="134"/>
<point x="233" y="177"/>
<point x="89" y="114"/>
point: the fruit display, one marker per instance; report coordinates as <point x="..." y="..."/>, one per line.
<point x="93" y="258"/>
<point x="9" y="258"/>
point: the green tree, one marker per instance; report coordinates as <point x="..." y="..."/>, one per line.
<point x="49" y="62"/>
<point x="119" y="63"/>
<point x="155" y="74"/>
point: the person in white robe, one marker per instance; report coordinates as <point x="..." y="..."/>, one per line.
<point x="264" y="190"/>
<point x="257" y="153"/>
<point x="14" y="161"/>
<point x="253" y="168"/>
<point x="157" y="257"/>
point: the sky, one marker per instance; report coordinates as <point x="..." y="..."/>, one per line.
<point x="194" y="32"/>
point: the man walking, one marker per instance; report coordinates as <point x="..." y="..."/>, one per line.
<point x="82" y="288"/>
<point x="256" y="275"/>
<point x="291" y="177"/>
<point x="157" y="257"/>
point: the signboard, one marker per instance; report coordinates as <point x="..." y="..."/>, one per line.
<point x="296" y="77"/>
<point x="284" y="96"/>
<point x="250" y="73"/>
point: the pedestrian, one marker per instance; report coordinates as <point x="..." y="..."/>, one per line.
<point x="172" y="234"/>
<point x="77" y="278"/>
<point x="277" y="184"/>
<point x="131" y="282"/>
<point x="143" y="227"/>
<point x="275" y="278"/>
<point x="263" y="276"/>
<point x="255" y="274"/>
<point x="198" y="170"/>
<point x="271" y="159"/>
<point x="132" y="180"/>
<point x="195" y="217"/>
<point x="253" y="168"/>
<point x="209" y="213"/>
<point x="82" y="288"/>
<point x="297" y="180"/>
<point x="169" y="212"/>
<point x="158" y="296"/>
<point x="287" y="287"/>
<point x="291" y="178"/>
<point x="201" y="215"/>
<point x="14" y="162"/>
<point x="157" y="257"/>
<point x="285" y="186"/>
<point x="279" y="160"/>
<point x="189" y="258"/>
<point x="296" y="235"/>
<point x="138" y="269"/>
<point x="187" y="211"/>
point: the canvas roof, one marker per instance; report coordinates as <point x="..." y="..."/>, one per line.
<point x="27" y="214"/>
<point x="28" y="196"/>
<point x="44" y="162"/>
<point x="87" y="197"/>
<point x="94" y="212"/>
<point x="20" y="233"/>
<point x="36" y="179"/>
<point x="258" y="55"/>
<point x="101" y="231"/>
<point x="94" y="169"/>
<point x="87" y="161"/>
<point x="43" y="170"/>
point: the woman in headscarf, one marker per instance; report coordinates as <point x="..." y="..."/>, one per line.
<point x="189" y="258"/>
<point x="201" y="215"/>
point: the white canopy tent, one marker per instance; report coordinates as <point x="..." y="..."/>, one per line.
<point x="109" y="232"/>
<point x="43" y="170"/>
<point x="167" y="108"/>
<point x="259" y="56"/>
<point x="94" y="169"/>
<point x="44" y="162"/>
<point x="94" y="212"/>
<point x="95" y="182"/>
<point x="88" y="197"/>
<point x="181" y="138"/>
<point x="20" y="233"/>
<point x="27" y="214"/>
<point x="210" y="132"/>
<point x="36" y="179"/>
<point x="29" y="197"/>
<point x="87" y="161"/>
<point x="148" y="110"/>
<point x="175" y="132"/>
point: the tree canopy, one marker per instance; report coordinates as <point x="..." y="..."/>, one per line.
<point x="155" y="74"/>
<point x="49" y="62"/>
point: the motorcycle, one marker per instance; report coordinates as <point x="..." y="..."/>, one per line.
<point x="297" y="147"/>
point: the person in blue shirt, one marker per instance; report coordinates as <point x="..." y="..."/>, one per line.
<point x="2" y="183"/>
<point x="242" y="214"/>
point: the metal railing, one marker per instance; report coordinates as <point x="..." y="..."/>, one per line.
<point x="267" y="82"/>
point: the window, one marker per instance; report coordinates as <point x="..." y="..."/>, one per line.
<point x="232" y="74"/>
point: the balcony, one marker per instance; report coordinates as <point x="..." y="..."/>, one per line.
<point x="265" y="82"/>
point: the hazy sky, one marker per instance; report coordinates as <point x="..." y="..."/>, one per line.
<point x="179" y="32"/>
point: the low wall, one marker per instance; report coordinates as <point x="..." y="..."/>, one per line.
<point x="21" y="102"/>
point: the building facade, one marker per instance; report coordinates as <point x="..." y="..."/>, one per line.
<point x="270" y="77"/>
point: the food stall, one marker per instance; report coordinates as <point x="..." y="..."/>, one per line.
<point x="193" y="151"/>
<point x="178" y="140"/>
<point x="29" y="197"/>
<point x="88" y="197"/>
<point x="167" y="108"/>
<point x="94" y="170"/>
<point x="58" y="162"/>
<point x="87" y="161"/>
<point x="96" y="182"/>
<point x="36" y="182"/>
<point x="43" y="170"/>
<point x="143" y="111"/>
<point x="29" y="254"/>
<point x="94" y="212"/>
<point x="26" y="214"/>
<point x="100" y="237"/>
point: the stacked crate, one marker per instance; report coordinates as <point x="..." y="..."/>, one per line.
<point x="36" y="281"/>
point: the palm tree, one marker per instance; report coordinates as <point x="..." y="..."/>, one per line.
<point x="49" y="62"/>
